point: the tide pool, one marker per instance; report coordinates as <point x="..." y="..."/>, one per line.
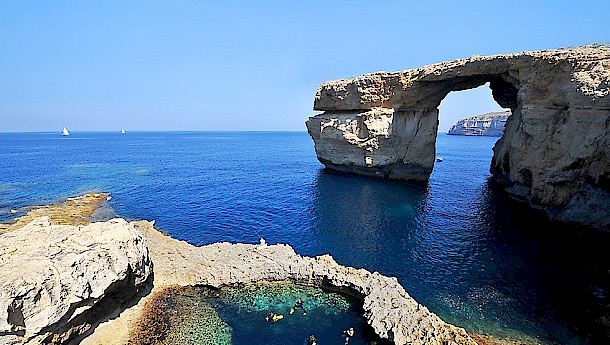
<point x="230" y="315"/>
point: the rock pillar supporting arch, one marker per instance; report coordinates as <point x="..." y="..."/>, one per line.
<point x="555" y="152"/>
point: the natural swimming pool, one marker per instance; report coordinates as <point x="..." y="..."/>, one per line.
<point x="237" y="315"/>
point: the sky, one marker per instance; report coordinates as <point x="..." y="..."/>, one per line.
<point x="256" y="65"/>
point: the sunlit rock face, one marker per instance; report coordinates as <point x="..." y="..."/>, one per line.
<point x="58" y="281"/>
<point x="489" y="124"/>
<point x="555" y="152"/>
<point x="369" y="142"/>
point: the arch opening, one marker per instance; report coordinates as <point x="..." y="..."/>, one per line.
<point x="470" y="123"/>
<point x="463" y="104"/>
<point x="478" y="106"/>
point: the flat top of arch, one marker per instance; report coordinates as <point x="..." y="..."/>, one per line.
<point x="590" y="66"/>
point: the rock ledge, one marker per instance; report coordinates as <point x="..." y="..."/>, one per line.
<point x="57" y="280"/>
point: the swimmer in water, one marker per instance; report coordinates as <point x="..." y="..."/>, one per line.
<point x="348" y="334"/>
<point x="298" y="304"/>
<point x="274" y="317"/>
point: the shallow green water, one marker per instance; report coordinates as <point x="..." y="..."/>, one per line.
<point x="199" y="315"/>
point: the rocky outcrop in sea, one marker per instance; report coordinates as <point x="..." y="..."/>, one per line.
<point x="555" y="151"/>
<point x="488" y="124"/>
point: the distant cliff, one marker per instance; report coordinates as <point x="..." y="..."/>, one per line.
<point x="489" y="124"/>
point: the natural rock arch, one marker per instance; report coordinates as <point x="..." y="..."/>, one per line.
<point x="555" y="151"/>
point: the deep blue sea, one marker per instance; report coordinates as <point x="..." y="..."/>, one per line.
<point x="456" y="243"/>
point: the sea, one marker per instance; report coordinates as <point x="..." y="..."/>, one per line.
<point x="457" y="244"/>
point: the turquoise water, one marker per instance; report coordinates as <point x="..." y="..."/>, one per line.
<point x="237" y="316"/>
<point x="456" y="244"/>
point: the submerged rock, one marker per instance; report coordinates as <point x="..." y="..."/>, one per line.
<point x="555" y="152"/>
<point x="57" y="281"/>
<point x="173" y="316"/>
<point x="72" y="211"/>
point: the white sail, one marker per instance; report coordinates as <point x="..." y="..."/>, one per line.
<point x="122" y="130"/>
<point x="65" y="132"/>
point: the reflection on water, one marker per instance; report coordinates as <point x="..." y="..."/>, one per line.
<point x="480" y="261"/>
<point x="362" y="222"/>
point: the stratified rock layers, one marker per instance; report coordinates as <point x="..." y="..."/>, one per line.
<point x="555" y="152"/>
<point x="58" y="280"/>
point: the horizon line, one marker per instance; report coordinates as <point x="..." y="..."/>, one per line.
<point x="154" y="130"/>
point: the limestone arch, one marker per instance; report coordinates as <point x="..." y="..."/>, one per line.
<point x="555" y="151"/>
<point x="504" y="91"/>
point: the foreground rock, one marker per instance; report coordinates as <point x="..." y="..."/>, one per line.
<point x="489" y="124"/>
<point x="57" y="281"/>
<point x="555" y="152"/>
<point x="390" y="310"/>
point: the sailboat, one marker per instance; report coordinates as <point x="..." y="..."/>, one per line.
<point x="65" y="132"/>
<point x="122" y="130"/>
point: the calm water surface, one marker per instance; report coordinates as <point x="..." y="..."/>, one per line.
<point x="456" y="244"/>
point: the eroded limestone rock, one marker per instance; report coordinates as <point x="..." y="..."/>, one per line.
<point x="57" y="280"/>
<point x="555" y="152"/>
<point x="389" y="309"/>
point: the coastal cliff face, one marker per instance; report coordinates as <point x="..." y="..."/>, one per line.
<point x="57" y="281"/>
<point x="490" y="125"/>
<point x="555" y="151"/>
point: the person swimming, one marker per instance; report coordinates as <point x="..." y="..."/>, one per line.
<point x="298" y="305"/>
<point x="273" y="317"/>
<point x="348" y="334"/>
<point x="312" y="340"/>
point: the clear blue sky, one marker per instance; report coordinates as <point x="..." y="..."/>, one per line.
<point x="198" y="65"/>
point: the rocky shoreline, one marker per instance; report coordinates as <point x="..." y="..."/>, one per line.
<point x="489" y="124"/>
<point x="91" y="283"/>
<point x="392" y="313"/>
<point x="72" y="211"/>
<point x="82" y="267"/>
